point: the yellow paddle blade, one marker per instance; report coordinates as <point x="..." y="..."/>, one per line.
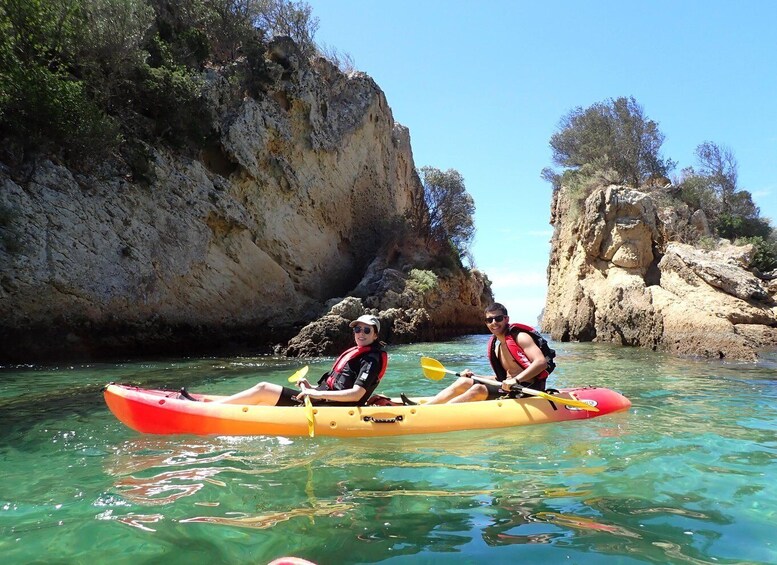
<point x="567" y="401"/>
<point x="309" y="416"/>
<point x="299" y="374"/>
<point x="432" y="368"/>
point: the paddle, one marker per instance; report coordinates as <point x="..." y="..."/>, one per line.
<point x="308" y="405"/>
<point x="309" y="416"/>
<point x="299" y="375"/>
<point x="435" y="370"/>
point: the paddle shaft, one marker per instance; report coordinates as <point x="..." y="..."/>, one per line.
<point x="309" y="416"/>
<point x="486" y="381"/>
<point x="532" y="392"/>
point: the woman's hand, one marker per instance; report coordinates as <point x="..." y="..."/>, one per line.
<point x="309" y="391"/>
<point x="303" y="383"/>
<point x="466" y="373"/>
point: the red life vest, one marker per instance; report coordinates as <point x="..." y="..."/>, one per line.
<point x="516" y="352"/>
<point x="349" y="355"/>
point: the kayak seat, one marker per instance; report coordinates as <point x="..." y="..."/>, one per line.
<point x="380" y="400"/>
<point x="406" y="401"/>
<point x="183" y="394"/>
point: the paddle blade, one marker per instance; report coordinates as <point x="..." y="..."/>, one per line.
<point x="578" y="404"/>
<point x="432" y="368"/>
<point x="309" y="416"/>
<point x="553" y="398"/>
<point x="299" y="374"/>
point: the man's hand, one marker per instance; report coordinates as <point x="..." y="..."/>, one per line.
<point x="508" y="384"/>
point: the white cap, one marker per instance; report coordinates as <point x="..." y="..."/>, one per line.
<point x="367" y="319"/>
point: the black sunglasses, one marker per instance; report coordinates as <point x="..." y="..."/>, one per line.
<point x="497" y="319"/>
<point x="359" y="329"/>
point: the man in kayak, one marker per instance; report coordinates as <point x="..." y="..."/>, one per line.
<point x="514" y="357"/>
<point x="353" y="378"/>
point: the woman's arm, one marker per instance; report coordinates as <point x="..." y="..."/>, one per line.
<point x="353" y="394"/>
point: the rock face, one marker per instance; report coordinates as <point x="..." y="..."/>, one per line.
<point x="614" y="277"/>
<point x="244" y="245"/>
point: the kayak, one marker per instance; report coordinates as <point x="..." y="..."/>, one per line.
<point x="165" y="412"/>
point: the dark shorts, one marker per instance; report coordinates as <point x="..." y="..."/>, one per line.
<point x="288" y="397"/>
<point x="495" y="391"/>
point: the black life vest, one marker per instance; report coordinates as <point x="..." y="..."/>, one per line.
<point x="337" y="378"/>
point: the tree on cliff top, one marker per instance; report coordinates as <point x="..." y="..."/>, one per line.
<point x="713" y="188"/>
<point x="287" y="17"/>
<point x="450" y="210"/>
<point x="614" y="138"/>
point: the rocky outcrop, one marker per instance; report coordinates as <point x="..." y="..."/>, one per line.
<point x="408" y="311"/>
<point x="630" y="285"/>
<point x="417" y="305"/>
<point x="242" y="246"/>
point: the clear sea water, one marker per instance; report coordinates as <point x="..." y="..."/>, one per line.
<point x="688" y="475"/>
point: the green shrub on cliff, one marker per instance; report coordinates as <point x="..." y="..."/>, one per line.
<point x="581" y="182"/>
<point x="765" y="257"/>
<point x="287" y="17"/>
<point x="42" y="108"/>
<point x="422" y="281"/>
<point x="695" y="191"/>
<point x="78" y="76"/>
<point x="172" y="102"/>
<point x="732" y="226"/>
<point x="44" y="98"/>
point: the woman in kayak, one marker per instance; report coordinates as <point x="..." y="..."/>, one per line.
<point x="353" y="378"/>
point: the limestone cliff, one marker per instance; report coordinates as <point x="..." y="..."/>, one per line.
<point x="615" y="276"/>
<point x="301" y="193"/>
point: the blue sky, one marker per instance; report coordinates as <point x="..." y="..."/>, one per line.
<point x="482" y="87"/>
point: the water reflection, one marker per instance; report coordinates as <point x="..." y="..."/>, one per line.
<point x="138" y="521"/>
<point x="166" y="488"/>
<point x="262" y="522"/>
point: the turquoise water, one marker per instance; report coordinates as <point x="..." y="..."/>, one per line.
<point x="688" y="475"/>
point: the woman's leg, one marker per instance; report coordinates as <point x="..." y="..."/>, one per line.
<point x="263" y="393"/>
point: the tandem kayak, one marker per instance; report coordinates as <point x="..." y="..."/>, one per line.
<point x="163" y="412"/>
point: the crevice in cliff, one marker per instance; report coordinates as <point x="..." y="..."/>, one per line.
<point x="653" y="273"/>
<point x="217" y="161"/>
<point x="282" y="99"/>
